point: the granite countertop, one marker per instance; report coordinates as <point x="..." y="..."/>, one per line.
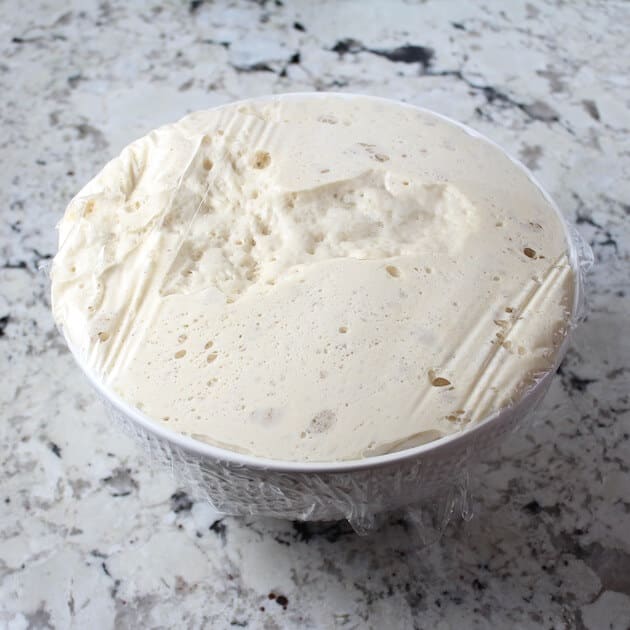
<point x="92" y="537"/>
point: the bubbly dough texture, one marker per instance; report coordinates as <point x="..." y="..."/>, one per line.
<point x="313" y="278"/>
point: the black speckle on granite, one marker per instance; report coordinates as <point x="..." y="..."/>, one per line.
<point x="213" y="42"/>
<point x="120" y="482"/>
<point x="538" y="110"/>
<point x="255" y="67"/>
<point x="533" y="507"/>
<point x="295" y="58"/>
<point x="281" y="600"/>
<point x="492" y="94"/>
<point x="458" y="25"/>
<point x="407" y="54"/>
<point x="580" y="384"/>
<point x="219" y="528"/>
<point x="4" y="322"/>
<point x="348" y="45"/>
<point x="55" y="449"/>
<point x="180" y="502"/>
<point x="20" y="264"/>
<point x="86" y="131"/>
<point x="582" y="219"/>
<point x="591" y="109"/>
<point x="114" y="590"/>
<point x="75" y="79"/>
<point x="194" y="5"/>
<point x="613" y="374"/>
<point x="337" y="83"/>
<point x="608" y="241"/>
<point x="39" y="257"/>
<point x="186" y="85"/>
<point x="530" y="154"/>
<point x="298" y="26"/>
<point x="478" y="585"/>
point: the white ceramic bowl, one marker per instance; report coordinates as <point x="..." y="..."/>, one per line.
<point x="234" y="483"/>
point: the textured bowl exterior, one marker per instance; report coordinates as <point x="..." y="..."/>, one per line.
<point x="430" y="475"/>
<point x="436" y="474"/>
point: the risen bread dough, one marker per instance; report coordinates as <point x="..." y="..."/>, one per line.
<point x="313" y="278"/>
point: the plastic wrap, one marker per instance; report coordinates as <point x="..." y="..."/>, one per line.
<point x="429" y="481"/>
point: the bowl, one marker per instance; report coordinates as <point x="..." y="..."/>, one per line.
<point x="356" y="490"/>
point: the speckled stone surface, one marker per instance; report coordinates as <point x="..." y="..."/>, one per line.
<point x="92" y="537"/>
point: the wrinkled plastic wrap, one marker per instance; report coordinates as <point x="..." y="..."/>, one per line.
<point x="429" y="481"/>
<point x="437" y="481"/>
<point x="431" y="484"/>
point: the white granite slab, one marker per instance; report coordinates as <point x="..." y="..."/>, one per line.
<point x="92" y="537"/>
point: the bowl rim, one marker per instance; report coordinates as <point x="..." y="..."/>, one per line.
<point x="447" y="442"/>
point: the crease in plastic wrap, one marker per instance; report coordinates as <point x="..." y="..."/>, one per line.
<point x="430" y="482"/>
